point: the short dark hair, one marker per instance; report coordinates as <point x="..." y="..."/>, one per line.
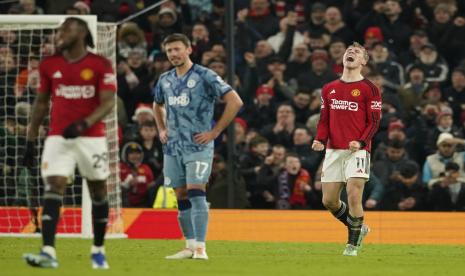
<point x="177" y="37"/>
<point x="409" y="169"/>
<point x="452" y="166"/>
<point x="88" y="39"/>
<point x="292" y="154"/>
<point x="258" y="140"/>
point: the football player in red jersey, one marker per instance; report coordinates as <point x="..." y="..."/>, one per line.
<point x="350" y="115"/>
<point x="81" y="87"/>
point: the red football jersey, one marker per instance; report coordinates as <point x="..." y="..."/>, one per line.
<point x="138" y="189"/>
<point x="349" y="111"/>
<point x="74" y="89"/>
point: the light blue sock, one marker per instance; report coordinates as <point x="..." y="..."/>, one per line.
<point x="199" y="213"/>
<point x="185" y="218"/>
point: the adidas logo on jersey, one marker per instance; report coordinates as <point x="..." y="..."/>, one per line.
<point x="57" y="75"/>
<point x="332" y="92"/>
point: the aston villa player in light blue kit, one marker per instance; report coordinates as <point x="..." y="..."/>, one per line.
<point x="184" y="101"/>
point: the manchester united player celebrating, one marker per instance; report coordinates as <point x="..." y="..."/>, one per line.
<point x="82" y="87"/>
<point x="350" y="114"/>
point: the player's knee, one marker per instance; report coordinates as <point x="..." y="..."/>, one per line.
<point x="56" y="184"/>
<point x="330" y="203"/>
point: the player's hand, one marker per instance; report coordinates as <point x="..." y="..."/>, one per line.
<point x="205" y="137"/>
<point x="317" y="146"/>
<point x="163" y="136"/>
<point x="28" y="158"/>
<point x="354" y="146"/>
<point x="75" y="129"/>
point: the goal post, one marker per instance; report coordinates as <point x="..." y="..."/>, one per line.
<point x="28" y="37"/>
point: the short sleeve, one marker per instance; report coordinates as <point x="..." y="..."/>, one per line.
<point x="218" y="86"/>
<point x="157" y="92"/>
<point x="107" y="81"/>
<point x="45" y="83"/>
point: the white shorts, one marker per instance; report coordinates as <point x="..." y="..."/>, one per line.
<point x="61" y="155"/>
<point x="340" y="165"/>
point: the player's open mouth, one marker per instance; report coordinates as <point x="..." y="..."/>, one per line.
<point x="350" y="59"/>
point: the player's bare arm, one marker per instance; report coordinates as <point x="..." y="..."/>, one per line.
<point x="233" y="105"/>
<point x="40" y="109"/>
<point x="159" y="112"/>
<point x="107" y="102"/>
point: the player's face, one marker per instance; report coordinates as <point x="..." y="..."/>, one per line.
<point x="177" y="53"/>
<point x="354" y="57"/>
<point x="68" y="35"/>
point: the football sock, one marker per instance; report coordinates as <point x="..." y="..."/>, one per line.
<point x="50" y="216"/>
<point x="99" y="220"/>
<point x="354" y="228"/>
<point x="198" y="200"/>
<point x="341" y="213"/>
<point x="185" y="221"/>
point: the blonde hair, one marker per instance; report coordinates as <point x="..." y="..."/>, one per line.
<point x="365" y="52"/>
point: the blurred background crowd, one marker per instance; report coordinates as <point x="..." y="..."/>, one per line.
<point x="285" y="51"/>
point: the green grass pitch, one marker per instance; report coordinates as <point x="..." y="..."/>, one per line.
<point x="146" y="257"/>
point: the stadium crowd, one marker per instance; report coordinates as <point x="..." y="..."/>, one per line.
<point x="285" y="52"/>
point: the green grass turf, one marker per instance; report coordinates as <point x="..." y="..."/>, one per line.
<point x="146" y="257"/>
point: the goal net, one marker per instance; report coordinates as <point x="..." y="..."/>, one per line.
<point x="24" y="41"/>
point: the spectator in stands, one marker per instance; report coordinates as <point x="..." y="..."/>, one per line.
<point x="7" y="82"/>
<point x="440" y="27"/>
<point x="316" y="21"/>
<point x="412" y="92"/>
<point x="281" y="131"/>
<point x="200" y="41"/>
<point x="250" y="164"/>
<point x="143" y="113"/>
<point x="293" y="185"/>
<point x="309" y="159"/>
<point x="287" y="37"/>
<point x="28" y="78"/>
<point x="372" y="35"/>
<point x="448" y="193"/>
<point x="255" y="24"/>
<point x="388" y="169"/>
<point x="133" y="82"/>
<point x="301" y="105"/>
<point x="137" y="178"/>
<point x="112" y="11"/>
<point x="268" y="173"/>
<point x="387" y="15"/>
<point x="320" y="72"/>
<point x="299" y="62"/>
<point x="444" y="124"/>
<point x="317" y="40"/>
<point x="337" y="48"/>
<point x="405" y="193"/>
<point x="336" y="27"/>
<point x="29" y="7"/>
<point x="417" y="40"/>
<point x="82" y="7"/>
<point x="166" y="24"/>
<point x="276" y="69"/>
<point x="151" y="147"/>
<point x="131" y="39"/>
<point x="434" y="66"/>
<point x="159" y="64"/>
<point x="262" y="109"/>
<point x="435" y="163"/>
<point x="392" y="71"/>
<point x="217" y="188"/>
<point x="395" y="131"/>
<point x="454" y="95"/>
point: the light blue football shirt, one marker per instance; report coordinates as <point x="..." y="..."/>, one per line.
<point x="189" y="102"/>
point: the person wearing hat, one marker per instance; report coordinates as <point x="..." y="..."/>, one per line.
<point x="136" y="177"/>
<point x="391" y="70"/>
<point x="262" y="108"/>
<point x="412" y="92"/>
<point x="131" y="38"/>
<point x="444" y="124"/>
<point x="319" y="73"/>
<point x="435" y="67"/>
<point x="454" y="95"/>
<point x="448" y="194"/>
<point x="168" y="23"/>
<point x="373" y="35"/>
<point x="435" y="163"/>
<point x="417" y="39"/>
<point x="387" y="15"/>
